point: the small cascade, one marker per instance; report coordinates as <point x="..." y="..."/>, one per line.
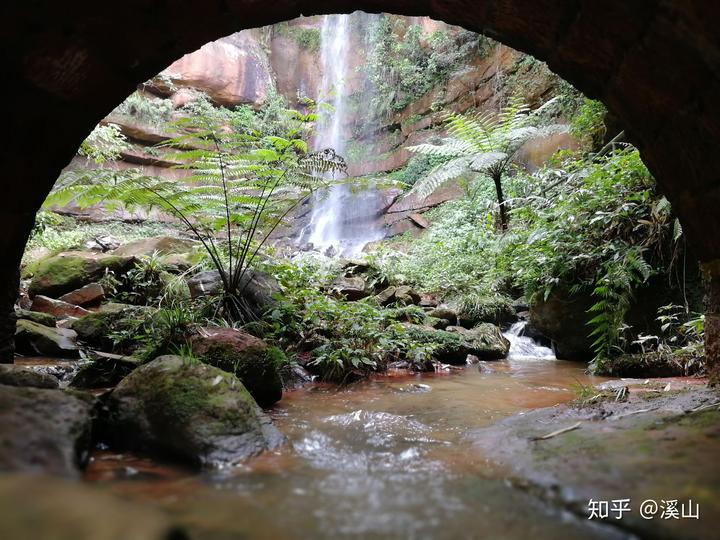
<point x="343" y="220"/>
<point x="522" y="346"/>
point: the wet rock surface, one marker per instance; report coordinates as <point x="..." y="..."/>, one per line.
<point x="21" y="376"/>
<point x="32" y="338"/>
<point x="43" y="430"/>
<point x="190" y="411"/>
<point x="615" y="450"/>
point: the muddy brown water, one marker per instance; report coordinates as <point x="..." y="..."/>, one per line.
<point x="386" y="458"/>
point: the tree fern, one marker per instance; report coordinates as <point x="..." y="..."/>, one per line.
<point x="483" y="142"/>
<point x="239" y="188"/>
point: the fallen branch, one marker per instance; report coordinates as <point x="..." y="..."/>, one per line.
<point x="557" y="432"/>
<point x="631" y="413"/>
<point x="703" y="407"/>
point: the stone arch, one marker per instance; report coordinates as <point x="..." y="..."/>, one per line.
<point x="655" y="64"/>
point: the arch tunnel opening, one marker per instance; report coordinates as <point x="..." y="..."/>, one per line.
<point x="652" y="134"/>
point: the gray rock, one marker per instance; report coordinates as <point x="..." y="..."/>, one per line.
<point x="206" y="283"/>
<point x="21" y="376"/>
<point x="351" y="288"/>
<point x="444" y="312"/>
<point x="35" y="339"/>
<point x="258" y="288"/>
<point x="405" y="296"/>
<point x="43" y="430"/>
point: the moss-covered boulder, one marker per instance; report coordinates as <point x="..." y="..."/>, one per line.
<point x="453" y="346"/>
<point x="36" y="339"/>
<point x="11" y="375"/>
<point x="447" y="347"/>
<point x="43" y="430"/>
<point x="248" y="357"/>
<point x="35" y="316"/>
<point x="485" y="341"/>
<point x="65" y="272"/>
<point x="191" y="411"/>
<point x="475" y="309"/>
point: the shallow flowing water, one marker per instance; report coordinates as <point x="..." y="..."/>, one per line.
<point x="387" y="458"/>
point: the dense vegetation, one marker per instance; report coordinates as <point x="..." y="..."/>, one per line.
<point x="588" y="224"/>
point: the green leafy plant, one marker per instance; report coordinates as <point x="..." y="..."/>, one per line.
<point x="481" y="142"/>
<point x="241" y="187"/>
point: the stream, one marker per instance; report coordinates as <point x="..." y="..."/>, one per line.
<point x="389" y="457"/>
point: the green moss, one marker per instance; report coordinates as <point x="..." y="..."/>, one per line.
<point x="60" y="274"/>
<point x="35" y="316"/>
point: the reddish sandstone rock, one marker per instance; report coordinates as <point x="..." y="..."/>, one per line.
<point x="89" y="295"/>
<point x="248" y="357"/>
<point x="58" y="308"/>
<point x="231" y="70"/>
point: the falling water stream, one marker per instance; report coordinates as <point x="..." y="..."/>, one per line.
<point x="522" y="346"/>
<point x="343" y="218"/>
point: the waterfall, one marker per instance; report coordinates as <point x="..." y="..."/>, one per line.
<point x="342" y="220"/>
<point x="522" y="346"/>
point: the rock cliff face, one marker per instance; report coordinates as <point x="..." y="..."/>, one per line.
<point x="252" y="66"/>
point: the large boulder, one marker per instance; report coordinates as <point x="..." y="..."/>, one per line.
<point x="36" y="339"/>
<point x="43" y="430"/>
<point x="63" y="273"/>
<point x="257" y="288"/>
<point x="563" y="318"/>
<point x="485" y="341"/>
<point x="11" y="375"/>
<point x="248" y="357"/>
<point x="189" y="410"/>
<point x="351" y="288"/>
<point x="452" y="346"/>
<point x="35" y="507"/>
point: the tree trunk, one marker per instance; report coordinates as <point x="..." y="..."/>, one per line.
<point x="16" y="228"/>
<point x="497" y="178"/>
<point x="711" y="276"/>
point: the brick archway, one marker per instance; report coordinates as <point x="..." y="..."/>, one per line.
<point x="655" y="64"/>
